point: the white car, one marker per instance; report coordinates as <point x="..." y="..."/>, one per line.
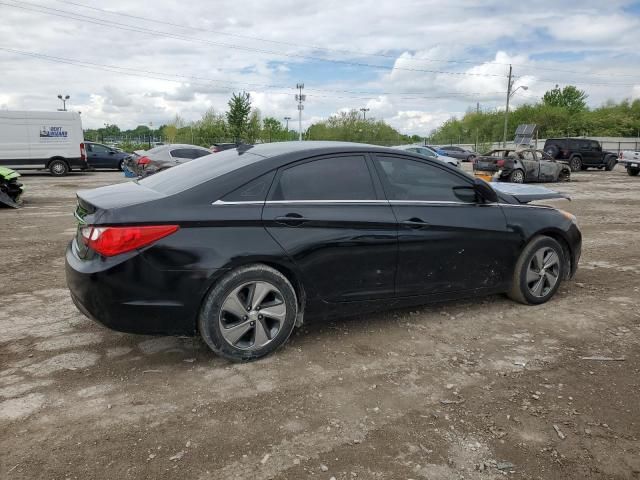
<point x="631" y="161"/>
<point x="428" y="152"/>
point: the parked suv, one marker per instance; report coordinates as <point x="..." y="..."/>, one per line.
<point x="580" y="153"/>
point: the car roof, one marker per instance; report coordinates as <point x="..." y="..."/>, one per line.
<point x="268" y="150"/>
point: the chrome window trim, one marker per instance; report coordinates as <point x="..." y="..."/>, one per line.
<point x="374" y="202"/>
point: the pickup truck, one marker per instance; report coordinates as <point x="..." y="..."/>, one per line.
<point x="631" y="161"/>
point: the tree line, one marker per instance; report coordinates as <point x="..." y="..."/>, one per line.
<point x="561" y="112"/>
<point x="244" y="123"/>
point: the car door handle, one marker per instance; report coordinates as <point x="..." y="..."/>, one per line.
<point x="415" y="223"/>
<point x="291" y="219"/>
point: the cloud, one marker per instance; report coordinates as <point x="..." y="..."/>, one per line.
<point x="265" y="48"/>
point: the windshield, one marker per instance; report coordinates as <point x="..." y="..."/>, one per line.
<point x="196" y="172"/>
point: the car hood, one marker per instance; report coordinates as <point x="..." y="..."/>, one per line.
<point x="528" y="193"/>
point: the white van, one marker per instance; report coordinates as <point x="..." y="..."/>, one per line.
<point x="36" y="140"/>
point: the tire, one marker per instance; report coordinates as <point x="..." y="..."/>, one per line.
<point x="575" y="164"/>
<point x="564" y="175"/>
<point x="121" y="166"/>
<point x="517" y="176"/>
<point x="471" y="158"/>
<point x="633" y="172"/>
<point x="236" y="333"/>
<point x="611" y="163"/>
<point x="528" y="286"/>
<point x="552" y="150"/>
<point x="58" y="168"/>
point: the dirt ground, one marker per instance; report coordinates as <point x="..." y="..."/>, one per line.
<point x="479" y="389"/>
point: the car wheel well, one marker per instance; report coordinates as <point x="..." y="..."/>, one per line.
<point x="565" y="249"/>
<point x="288" y="273"/>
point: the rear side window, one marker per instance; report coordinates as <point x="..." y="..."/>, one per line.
<point x="199" y="171"/>
<point x="183" y="153"/>
<point x="254" y="191"/>
<point x="406" y="179"/>
<point x="338" y="178"/>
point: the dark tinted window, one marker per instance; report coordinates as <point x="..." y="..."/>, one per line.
<point x="574" y="145"/>
<point x="199" y="153"/>
<point x="254" y="191"/>
<point x="201" y="170"/>
<point x="184" y="153"/>
<point x="339" y="178"/>
<point x="594" y="145"/>
<point x="406" y="179"/>
<point x="100" y="149"/>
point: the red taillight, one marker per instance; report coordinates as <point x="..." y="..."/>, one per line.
<point x="110" y="241"/>
<point x="500" y="163"/>
<point x="215" y="149"/>
<point x="144" y="160"/>
<point x="83" y="155"/>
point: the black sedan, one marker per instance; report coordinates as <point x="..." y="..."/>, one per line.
<point x="241" y="245"/>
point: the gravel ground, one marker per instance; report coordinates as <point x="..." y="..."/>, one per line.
<point x="477" y="389"/>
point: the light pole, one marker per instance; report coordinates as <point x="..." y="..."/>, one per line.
<point x="300" y="98"/>
<point x="64" y="102"/>
<point x="364" y="113"/>
<point x="286" y="127"/>
<point x="506" y="111"/>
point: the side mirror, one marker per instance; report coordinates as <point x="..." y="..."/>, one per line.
<point x="484" y="191"/>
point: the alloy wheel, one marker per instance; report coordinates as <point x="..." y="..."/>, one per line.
<point x="252" y="315"/>
<point x="517" y="176"/>
<point x="543" y="272"/>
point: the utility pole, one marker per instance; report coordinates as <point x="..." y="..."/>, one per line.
<point x="300" y="98"/>
<point x="364" y="113"/>
<point x="286" y="119"/>
<point x="506" y="111"/>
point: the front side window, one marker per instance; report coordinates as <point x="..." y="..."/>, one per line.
<point x="406" y="179"/>
<point x="336" y="178"/>
<point x="100" y="149"/>
<point x="182" y="153"/>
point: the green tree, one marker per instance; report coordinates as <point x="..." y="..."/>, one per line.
<point x="238" y="115"/>
<point x="569" y="97"/>
<point x="254" y="126"/>
<point x="273" y="130"/>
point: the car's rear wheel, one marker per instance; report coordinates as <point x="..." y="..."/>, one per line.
<point x="633" y="172"/>
<point x="249" y="313"/>
<point x="611" y="163"/>
<point x="517" y="176"/>
<point x="121" y="166"/>
<point x="575" y="164"/>
<point x="539" y="271"/>
<point x="58" y="168"/>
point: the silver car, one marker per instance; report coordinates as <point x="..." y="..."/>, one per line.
<point x="145" y="163"/>
<point x="428" y="152"/>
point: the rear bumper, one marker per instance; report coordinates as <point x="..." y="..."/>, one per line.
<point x="131" y="295"/>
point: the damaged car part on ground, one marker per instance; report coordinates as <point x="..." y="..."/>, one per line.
<point x="265" y="235"/>
<point x="10" y="188"/>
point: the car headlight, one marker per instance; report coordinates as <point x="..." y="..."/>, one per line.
<point x="568" y="216"/>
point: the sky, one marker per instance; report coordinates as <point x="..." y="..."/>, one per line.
<point x="412" y="63"/>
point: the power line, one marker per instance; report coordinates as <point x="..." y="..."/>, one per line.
<point x="232" y="84"/>
<point x="138" y="29"/>
<point x="342" y="51"/>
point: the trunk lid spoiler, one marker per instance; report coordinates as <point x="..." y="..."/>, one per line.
<point x="528" y="193"/>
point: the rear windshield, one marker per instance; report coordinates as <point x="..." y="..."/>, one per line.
<point x="196" y="172"/>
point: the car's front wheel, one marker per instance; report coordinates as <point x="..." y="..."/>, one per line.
<point x="539" y="271"/>
<point x="610" y="165"/>
<point x="249" y="313"/>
